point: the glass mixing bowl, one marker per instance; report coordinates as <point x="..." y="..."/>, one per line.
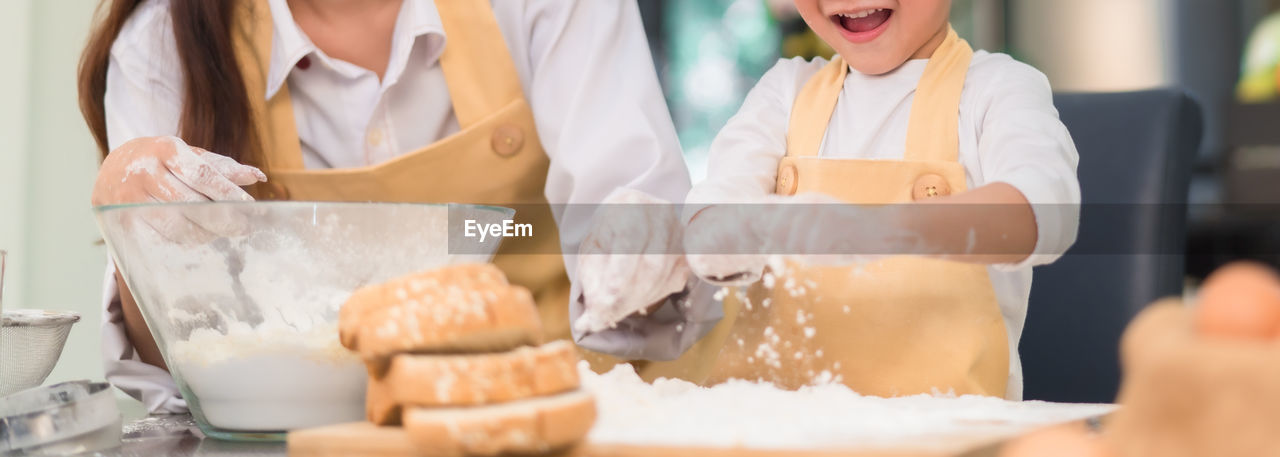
<point x="243" y="297"/>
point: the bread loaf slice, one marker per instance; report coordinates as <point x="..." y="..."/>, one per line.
<point x="380" y="407"/>
<point x="523" y="427"/>
<point x="350" y="316"/>
<point x="457" y="309"/>
<point x="353" y="439"/>
<point x="468" y="380"/>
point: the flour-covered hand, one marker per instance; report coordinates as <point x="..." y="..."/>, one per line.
<point x="814" y="228"/>
<point x="723" y="247"/>
<point x="166" y="169"/>
<point x="632" y="259"/>
<point x="731" y="244"/>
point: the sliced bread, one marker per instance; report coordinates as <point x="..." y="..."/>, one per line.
<point x="524" y="427"/>
<point x="458" y="309"/>
<point x="353" y="439"/>
<point x="380" y="407"/>
<point x="467" y="380"/>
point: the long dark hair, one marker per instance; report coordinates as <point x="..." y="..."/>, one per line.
<point x="215" y="110"/>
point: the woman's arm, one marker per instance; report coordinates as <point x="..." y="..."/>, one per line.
<point x="136" y="328"/>
<point x="142" y="106"/>
<point x="604" y="123"/>
<point x="143" y="98"/>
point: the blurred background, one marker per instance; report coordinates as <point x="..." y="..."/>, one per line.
<point x="708" y="53"/>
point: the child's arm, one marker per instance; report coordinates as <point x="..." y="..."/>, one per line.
<point x="1025" y="149"/>
<point x="1024" y="206"/>
<point x="741" y="172"/>
<point x="742" y="165"/>
<point x="992" y="224"/>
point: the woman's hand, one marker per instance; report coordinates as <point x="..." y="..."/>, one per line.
<point x="631" y="261"/>
<point x="165" y="169"/>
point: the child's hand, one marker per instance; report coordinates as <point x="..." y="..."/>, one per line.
<point x="631" y="261"/>
<point x="731" y="244"/>
<point x="819" y="229"/>
<point x="722" y="247"/>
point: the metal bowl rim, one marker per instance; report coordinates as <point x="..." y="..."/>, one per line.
<point x="297" y="204"/>
<point x="37" y="318"/>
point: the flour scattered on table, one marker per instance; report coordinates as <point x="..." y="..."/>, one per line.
<point x="831" y="416"/>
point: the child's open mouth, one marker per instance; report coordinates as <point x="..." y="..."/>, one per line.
<point x="862" y="26"/>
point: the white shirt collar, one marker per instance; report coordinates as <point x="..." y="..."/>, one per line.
<point x="418" y="18"/>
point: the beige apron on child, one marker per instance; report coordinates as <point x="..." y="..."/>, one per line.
<point x="904" y="325"/>
<point x="496" y="158"/>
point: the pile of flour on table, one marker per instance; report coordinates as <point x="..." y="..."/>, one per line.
<point x="758" y="415"/>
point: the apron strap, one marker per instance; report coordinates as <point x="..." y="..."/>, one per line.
<point x="933" y="131"/>
<point x="936" y="104"/>
<point x="481" y="76"/>
<point x="252" y="40"/>
<point x="811" y="112"/>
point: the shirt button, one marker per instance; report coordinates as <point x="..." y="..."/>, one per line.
<point x="929" y="186"/>
<point x="507" y="140"/>
<point x="788" y="179"/>
<point x="374" y="137"/>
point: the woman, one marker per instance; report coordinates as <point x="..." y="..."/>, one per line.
<point x="547" y="104"/>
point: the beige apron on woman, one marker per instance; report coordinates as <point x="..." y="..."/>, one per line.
<point x="496" y="158"/>
<point x="904" y="325"/>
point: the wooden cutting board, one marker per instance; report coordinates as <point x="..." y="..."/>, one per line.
<point x="365" y="439"/>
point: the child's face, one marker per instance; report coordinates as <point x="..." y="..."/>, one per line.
<point x="878" y="36"/>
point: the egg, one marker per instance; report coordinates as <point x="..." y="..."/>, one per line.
<point x="1242" y="301"/>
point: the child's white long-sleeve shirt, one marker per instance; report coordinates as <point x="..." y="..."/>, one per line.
<point x="1009" y="132"/>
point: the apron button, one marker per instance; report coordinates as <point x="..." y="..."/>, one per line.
<point x="929" y="186"/>
<point x="275" y="191"/>
<point x="507" y="140"/>
<point x="788" y="179"/>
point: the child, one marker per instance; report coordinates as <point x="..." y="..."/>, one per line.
<point x="980" y="177"/>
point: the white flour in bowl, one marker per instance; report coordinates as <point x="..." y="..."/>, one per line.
<point x="757" y="415"/>
<point x="248" y="319"/>
<point x="268" y="379"/>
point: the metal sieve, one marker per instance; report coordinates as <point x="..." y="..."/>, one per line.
<point x="30" y="343"/>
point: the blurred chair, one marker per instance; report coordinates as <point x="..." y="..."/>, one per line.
<point x="1136" y="154"/>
